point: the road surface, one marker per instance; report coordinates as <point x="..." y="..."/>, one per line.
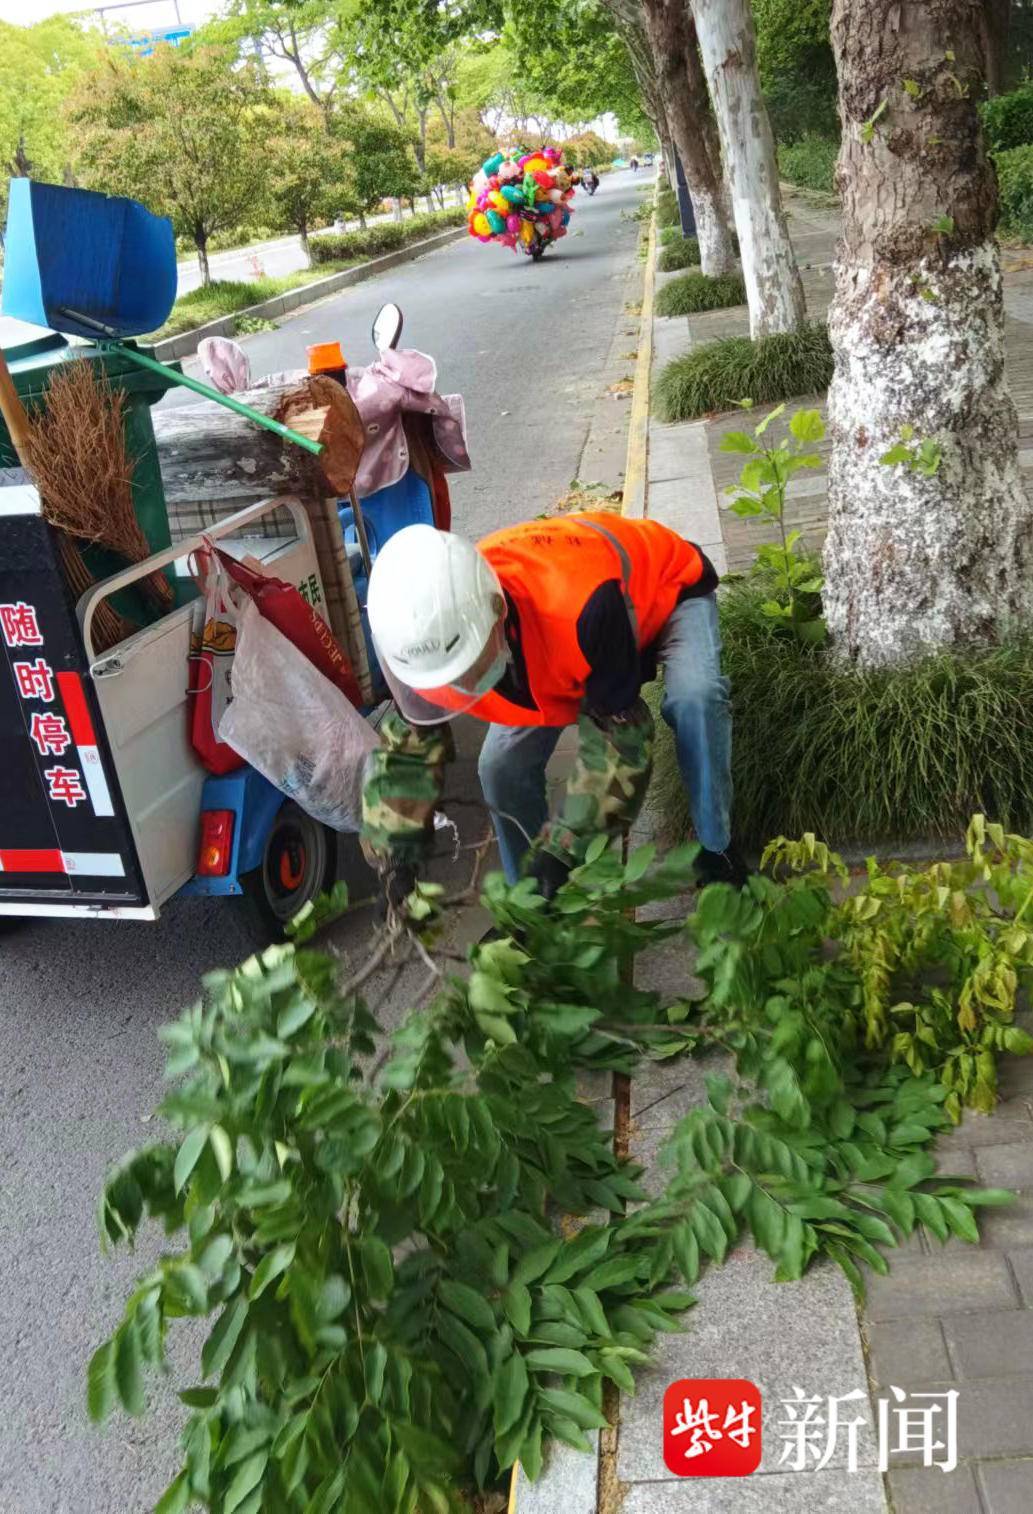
<point x="80" y="1066"/>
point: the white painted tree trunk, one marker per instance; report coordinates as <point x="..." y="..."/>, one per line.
<point x="728" y="43"/>
<point x="918" y="563"/>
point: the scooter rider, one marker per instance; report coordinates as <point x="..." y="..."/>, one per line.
<point x="541" y="626"/>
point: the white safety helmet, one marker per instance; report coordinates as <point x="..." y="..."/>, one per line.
<point x="436" y="614"/>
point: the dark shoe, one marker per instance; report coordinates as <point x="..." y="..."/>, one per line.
<point x="721" y="867"/>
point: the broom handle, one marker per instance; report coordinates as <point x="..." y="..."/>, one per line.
<point x="13" y="412"/>
<point x="277" y="427"/>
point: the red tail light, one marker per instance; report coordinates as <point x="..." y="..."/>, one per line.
<point x="216" y="850"/>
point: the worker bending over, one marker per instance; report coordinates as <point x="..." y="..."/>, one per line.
<point x="541" y="626"/>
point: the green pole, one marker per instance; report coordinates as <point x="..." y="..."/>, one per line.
<point x="143" y="361"/>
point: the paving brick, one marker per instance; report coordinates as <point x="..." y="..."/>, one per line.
<point x="1010" y="1227"/>
<point x="1022" y="1266"/>
<point x="927" y="1490"/>
<point x="1007" y="1486"/>
<point x="960" y="1161"/>
<point x="996" y="1343"/>
<point x="955" y="1281"/>
<point x="995" y="1418"/>
<point x="908" y="1351"/>
<point x="1009" y="1122"/>
<point x="1006" y="1166"/>
<point x="680" y="504"/>
<point x="777" y="1493"/>
<point x="569" y="1483"/>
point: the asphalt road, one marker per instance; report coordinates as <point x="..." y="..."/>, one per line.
<point x="80" y="1066"/>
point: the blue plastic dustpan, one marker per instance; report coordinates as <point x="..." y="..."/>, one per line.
<point x="83" y="263"/>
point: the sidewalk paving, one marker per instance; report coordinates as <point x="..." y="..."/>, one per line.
<point x="954" y="1316"/>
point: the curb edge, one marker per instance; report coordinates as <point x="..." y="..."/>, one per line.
<point x="634" y="501"/>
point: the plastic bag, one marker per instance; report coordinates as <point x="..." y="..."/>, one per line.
<point x="295" y="726"/>
<point x="212" y="646"/>
<point x="282" y="605"/>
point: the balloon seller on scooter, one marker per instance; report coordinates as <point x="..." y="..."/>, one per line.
<point x="538" y="627"/>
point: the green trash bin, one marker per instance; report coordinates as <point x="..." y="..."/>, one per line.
<point x="32" y="364"/>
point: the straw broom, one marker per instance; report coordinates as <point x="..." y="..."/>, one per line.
<point x="77" y="455"/>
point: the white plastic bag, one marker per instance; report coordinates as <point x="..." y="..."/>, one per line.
<point x="295" y="726"/>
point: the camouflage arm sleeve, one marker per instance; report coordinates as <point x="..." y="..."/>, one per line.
<point x="404" y="780"/>
<point x="606" y="789"/>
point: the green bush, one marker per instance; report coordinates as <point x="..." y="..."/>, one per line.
<point x="1015" y="178"/>
<point x="683" y="252"/>
<point x="696" y="291"/>
<point x="720" y="375"/>
<point x="667" y="209"/>
<point x="386" y="236"/>
<point x="810" y="163"/>
<point x="860" y="758"/>
<point x="1008" y="119"/>
<point x="669" y="234"/>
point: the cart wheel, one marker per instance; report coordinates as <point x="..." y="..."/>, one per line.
<point x="299" y="864"/>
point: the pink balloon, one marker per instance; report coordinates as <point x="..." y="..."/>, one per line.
<point x="513" y="222"/>
<point x="508" y="239"/>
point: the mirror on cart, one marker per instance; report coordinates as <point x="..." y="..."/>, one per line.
<point x="387" y="328"/>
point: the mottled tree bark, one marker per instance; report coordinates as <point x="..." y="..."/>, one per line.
<point x="683" y="90"/>
<point x="728" y="43"/>
<point x="916" y="562"/>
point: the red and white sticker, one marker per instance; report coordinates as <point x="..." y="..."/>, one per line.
<point x="50" y="860"/>
<point x="84" y="737"/>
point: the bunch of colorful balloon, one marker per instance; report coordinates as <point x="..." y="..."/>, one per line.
<point x="521" y="200"/>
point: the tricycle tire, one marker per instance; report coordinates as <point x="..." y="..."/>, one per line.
<point x="299" y="864"/>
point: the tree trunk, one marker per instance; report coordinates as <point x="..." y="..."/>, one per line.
<point x="996" y="25"/>
<point x="918" y="561"/>
<point x="398" y="208"/>
<point x="305" y="246"/>
<point x="201" y="243"/>
<point x="683" y="91"/>
<point x="729" y="46"/>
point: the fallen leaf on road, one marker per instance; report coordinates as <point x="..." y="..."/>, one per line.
<point x="621" y="388"/>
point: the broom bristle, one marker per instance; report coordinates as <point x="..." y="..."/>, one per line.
<point x="77" y="453"/>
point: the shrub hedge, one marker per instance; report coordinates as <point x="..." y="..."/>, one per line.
<point x="1015" y="178"/>
<point x="697" y="291"/>
<point x="385" y="237"/>
<point x="810" y="163"/>
<point x="679" y="252"/>
<point x="720" y="375"/>
<point x="1008" y="119"/>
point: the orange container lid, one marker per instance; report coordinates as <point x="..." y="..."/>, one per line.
<point x="324" y="356"/>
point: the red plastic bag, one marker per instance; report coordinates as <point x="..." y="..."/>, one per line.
<point x="212" y="646"/>
<point x="282" y="605"/>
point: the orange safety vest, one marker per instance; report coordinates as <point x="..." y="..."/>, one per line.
<point x="550" y="569"/>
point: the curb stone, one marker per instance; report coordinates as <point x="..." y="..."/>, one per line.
<point x="186" y="343"/>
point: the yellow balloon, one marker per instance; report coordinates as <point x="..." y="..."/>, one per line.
<point x="471" y="202"/>
<point x="535" y="165"/>
<point x="499" y="201"/>
<point x="481" y="224"/>
<point x="526" y="231"/>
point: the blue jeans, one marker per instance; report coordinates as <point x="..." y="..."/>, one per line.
<point x="695" y="705"/>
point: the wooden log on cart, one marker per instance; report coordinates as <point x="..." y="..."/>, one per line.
<point x="214" y="462"/>
<point x="209" y="452"/>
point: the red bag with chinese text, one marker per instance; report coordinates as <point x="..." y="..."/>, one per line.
<point x="282" y="605"/>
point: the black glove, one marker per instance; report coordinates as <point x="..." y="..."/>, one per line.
<point x="549" y="873"/>
<point x="397" y="883"/>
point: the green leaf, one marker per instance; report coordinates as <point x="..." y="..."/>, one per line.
<point x="639" y="863"/>
<point x="516" y="1304"/>
<point x="738" y="441"/>
<point x="960" y="1219"/>
<point x="176" y="1496"/>
<point x="128" y="1378"/>
<point x="896" y="454"/>
<point x="745" y="507"/>
<point x="378" y="1267"/>
<point x="218" y="1348"/>
<point x="511" y="1387"/>
<point x="189" y="1155"/>
<point x="772" y="415"/>
<point x="468" y="1304"/>
<point x="249" y="1475"/>
<point x="272" y="1266"/>
<point x="807" y="426"/>
<point x="376" y="1365"/>
<point x="556" y="1359"/>
<point x="100" y="1383"/>
<point x="573" y="1406"/>
<point x="686" y="1252"/>
<point x="222" y="1146"/>
<point x="297" y="1014"/>
<point x="912" y="88"/>
<point x="944" y="225"/>
<point x="537" y="1261"/>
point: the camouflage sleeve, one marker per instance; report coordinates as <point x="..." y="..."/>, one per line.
<point x="404" y="779"/>
<point x="606" y="789"/>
